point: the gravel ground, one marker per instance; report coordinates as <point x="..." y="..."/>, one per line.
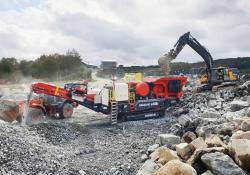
<point x="86" y="143"/>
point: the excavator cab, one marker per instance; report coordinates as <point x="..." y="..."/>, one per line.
<point x="223" y="74"/>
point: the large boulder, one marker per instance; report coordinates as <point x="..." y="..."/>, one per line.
<point x="162" y="155"/>
<point x="214" y="141"/>
<point x="240" y="150"/>
<point x="199" y="152"/>
<point x="198" y="143"/>
<point x="245" y="125"/>
<point x="238" y="120"/>
<point x="205" y="130"/>
<point x="188" y="137"/>
<point x="176" y="167"/>
<point x="221" y="164"/>
<point x="237" y="105"/>
<point x="241" y="135"/>
<point x="148" y="168"/>
<point x="225" y="128"/>
<point x="168" y="139"/>
<point x="236" y="116"/>
<point x="184" y="150"/>
<point x="207" y="121"/>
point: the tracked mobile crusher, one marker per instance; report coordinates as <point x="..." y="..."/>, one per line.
<point x="122" y="101"/>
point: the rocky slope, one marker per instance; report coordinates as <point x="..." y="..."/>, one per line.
<point x="211" y="137"/>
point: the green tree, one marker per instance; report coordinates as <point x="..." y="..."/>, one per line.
<point x="25" y="67"/>
<point x="8" y="65"/>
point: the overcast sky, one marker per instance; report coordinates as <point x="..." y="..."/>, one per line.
<point x="130" y="31"/>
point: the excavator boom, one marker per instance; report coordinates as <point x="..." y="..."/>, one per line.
<point x="188" y="39"/>
<point x="195" y="45"/>
<point x="213" y="76"/>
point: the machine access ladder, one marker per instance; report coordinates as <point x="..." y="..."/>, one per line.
<point x="114" y="112"/>
<point x="132" y="101"/>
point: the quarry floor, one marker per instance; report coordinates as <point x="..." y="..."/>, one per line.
<point x="98" y="148"/>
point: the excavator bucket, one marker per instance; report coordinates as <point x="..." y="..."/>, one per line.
<point x="9" y="110"/>
<point x="164" y="63"/>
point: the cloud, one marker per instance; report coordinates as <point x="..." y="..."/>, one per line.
<point x="129" y="31"/>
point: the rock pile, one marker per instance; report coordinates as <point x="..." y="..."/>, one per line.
<point x="203" y="155"/>
<point x="23" y="152"/>
<point x="213" y="138"/>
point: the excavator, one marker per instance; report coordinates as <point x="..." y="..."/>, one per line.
<point x="213" y="77"/>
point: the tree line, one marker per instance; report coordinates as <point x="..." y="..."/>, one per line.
<point x="242" y="63"/>
<point x="67" y="66"/>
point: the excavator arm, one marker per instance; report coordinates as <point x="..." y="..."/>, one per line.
<point x="195" y="45"/>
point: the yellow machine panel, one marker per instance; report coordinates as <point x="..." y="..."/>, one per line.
<point x="133" y="77"/>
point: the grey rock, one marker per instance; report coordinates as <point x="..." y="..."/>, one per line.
<point x="175" y="129"/>
<point x="212" y="96"/>
<point x="246" y="98"/>
<point x="168" y="139"/>
<point x="81" y="172"/>
<point x="185" y="120"/>
<point x="226" y="138"/>
<point x="220" y="163"/>
<point x="245" y="125"/>
<point x="208" y="114"/>
<point x="212" y="103"/>
<point x="148" y="168"/>
<point x="152" y="148"/>
<point x="205" y="130"/>
<point x="225" y="128"/>
<point x="248" y="112"/>
<point x="113" y="170"/>
<point x="237" y="105"/>
<point x="215" y="121"/>
<point x="144" y="157"/>
<point x="246" y="85"/>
